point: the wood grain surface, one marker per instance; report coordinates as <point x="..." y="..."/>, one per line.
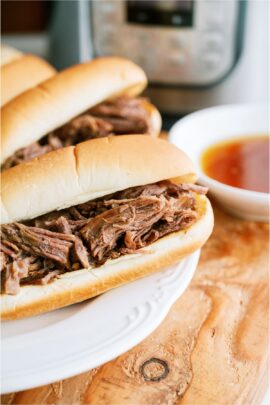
<point x="212" y="348"/>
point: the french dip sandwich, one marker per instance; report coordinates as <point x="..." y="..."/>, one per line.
<point x="21" y="72"/>
<point x="82" y="220"/>
<point x="86" y="101"/>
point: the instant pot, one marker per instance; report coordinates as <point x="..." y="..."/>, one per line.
<point x="196" y="53"/>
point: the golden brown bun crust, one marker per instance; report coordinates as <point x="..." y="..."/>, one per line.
<point x="23" y="74"/>
<point x="49" y="105"/>
<point x="83" y="284"/>
<point x="8" y="54"/>
<point x="91" y="169"/>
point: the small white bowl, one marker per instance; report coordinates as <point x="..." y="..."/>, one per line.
<point x="199" y="130"/>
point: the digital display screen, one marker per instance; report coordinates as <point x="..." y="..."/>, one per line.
<point x="177" y="13"/>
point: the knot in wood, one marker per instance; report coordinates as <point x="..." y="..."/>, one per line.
<point x="154" y="370"/>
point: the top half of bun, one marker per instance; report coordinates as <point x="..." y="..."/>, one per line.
<point x="21" y="74"/>
<point x="40" y="110"/>
<point x="89" y="170"/>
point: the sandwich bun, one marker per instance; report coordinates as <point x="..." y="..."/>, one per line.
<point x="83" y="284"/>
<point x="92" y="169"/>
<point x="54" y="102"/>
<point x="8" y="54"/>
<point x="22" y="74"/>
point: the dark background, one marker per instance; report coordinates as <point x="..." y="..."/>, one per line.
<point x="25" y="16"/>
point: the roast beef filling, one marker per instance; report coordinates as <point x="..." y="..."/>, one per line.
<point x="89" y="234"/>
<point x="121" y="116"/>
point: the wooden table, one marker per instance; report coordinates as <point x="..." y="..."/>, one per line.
<point x="213" y="345"/>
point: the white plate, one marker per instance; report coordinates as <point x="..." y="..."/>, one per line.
<point x="63" y="343"/>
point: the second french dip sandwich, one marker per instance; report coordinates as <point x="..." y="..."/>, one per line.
<point x="86" y="101"/>
<point x="20" y="72"/>
<point x="81" y="220"/>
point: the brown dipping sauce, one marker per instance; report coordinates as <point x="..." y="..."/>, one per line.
<point x="242" y="163"/>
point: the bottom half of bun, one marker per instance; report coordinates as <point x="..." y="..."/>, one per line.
<point x="77" y="286"/>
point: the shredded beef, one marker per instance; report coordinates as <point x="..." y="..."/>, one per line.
<point x="80" y="253"/>
<point x="9" y="248"/>
<point x="14" y="272"/>
<point x="60" y="224"/>
<point x="121" y="116"/>
<point x="3" y="261"/>
<point x="39" y="241"/>
<point x="47" y="277"/>
<point x="126" y="115"/>
<point x="103" y="231"/>
<point x="11" y="281"/>
<point x="29" y="152"/>
<point x="89" y="234"/>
